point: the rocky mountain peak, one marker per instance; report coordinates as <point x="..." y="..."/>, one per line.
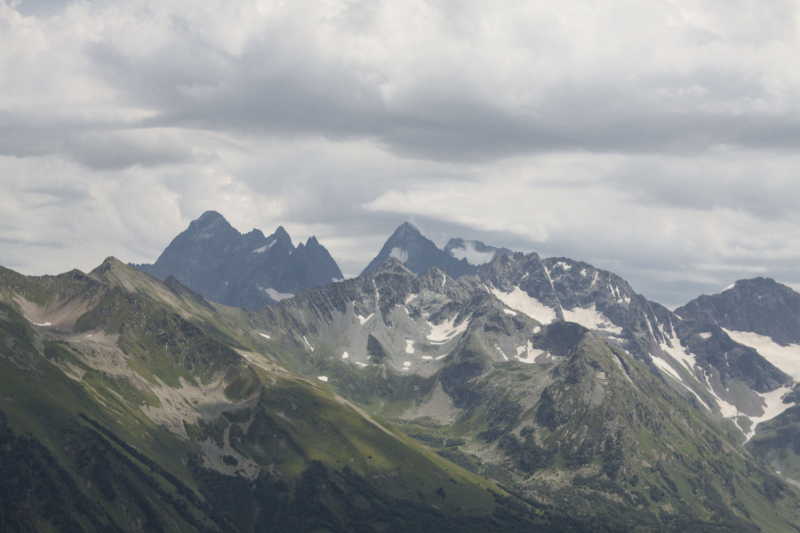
<point x="758" y="305"/>
<point x="393" y="264"/>
<point x="107" y="264"/>
<point x="213" y="259"/>
<point x="208" y="217"/>
<point x="283" y="237"/>
<point x="418" y="254"/>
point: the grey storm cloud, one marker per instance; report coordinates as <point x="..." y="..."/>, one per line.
<point x="656" y="139"/>
<point x="261" y="92"/>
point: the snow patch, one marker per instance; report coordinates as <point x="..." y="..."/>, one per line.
<point x="520" y="301"/>
<point x="264" y="335"/>
<point x="264" y="248"/>
<point x="364" y="320"/>
<point x="337" y="280"/>
<point x="410" y="298"/>
<point x="361" y="364"/>
<point x="664" y="367"/>
<point x="322" y="378"/>
<point x="564" y="265"/>
<point x="501" y="353"/>
<point x="427" y="357"/>
<point x="729" y="287"/>
<point x="42" y="325"/>
<point x="345" y="355"/>
<point x="472" y="256"/>
<point x="537" y="329"/>
<point x="773" y="407"/>
<point x="510" y="312"/>
<point x="679" y="354"/>
<point x="530" y="353"/>
<point x="278" y="296"/>
<point x="309" y="345"/>
<point x="400" y="254"/>
<point x="447" y="330"/>
<point x="591" y="318"/>
<point x="705" y="335"/>
<point x="407" y="363"/>
<point x="786" y="358"/>
<point x="726" y="409"/>
<point x="410" y="346"/>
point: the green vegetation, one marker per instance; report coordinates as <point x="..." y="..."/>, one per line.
<point x="157" y="422"/>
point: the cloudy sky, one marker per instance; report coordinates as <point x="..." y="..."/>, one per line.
<point x="657" y="139"/>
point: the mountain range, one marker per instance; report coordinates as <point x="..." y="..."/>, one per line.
<point x="251" y="270"/>
<point x="520" y="394"/>
<point x="419" y="254"/>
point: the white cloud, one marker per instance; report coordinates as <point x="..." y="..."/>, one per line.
<point x="657" y="138"/>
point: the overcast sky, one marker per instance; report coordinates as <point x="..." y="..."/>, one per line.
<point x="656" y="139"/>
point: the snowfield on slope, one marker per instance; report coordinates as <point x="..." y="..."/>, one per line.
<point x="773" y="401"/>
<point x="520" y="301"/>
<point x="786" y="358"/>
<point x="591" y="318"/>
<point x="447" y="330"/>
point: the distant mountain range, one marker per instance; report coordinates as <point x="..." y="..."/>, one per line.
<point x="526" y="394"/>
<point x="250" y="270"/>
<point x="419" y="254"/>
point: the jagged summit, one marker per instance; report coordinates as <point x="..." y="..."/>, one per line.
<point x="283" y="236"/>
<point x="419" y="253"/>
<point x="546" y="374"/>
<point x="252" y="270"/>
<point x="757" y="305"/>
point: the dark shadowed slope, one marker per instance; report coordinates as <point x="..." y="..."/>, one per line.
<point x="250" y="270"/>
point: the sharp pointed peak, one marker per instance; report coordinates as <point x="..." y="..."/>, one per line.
<point x="283" y="236"/>
<point x="407" y="226"/>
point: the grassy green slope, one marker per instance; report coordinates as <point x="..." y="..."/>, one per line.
<point x="778" y="442"/>
<point x="100" y="400"/>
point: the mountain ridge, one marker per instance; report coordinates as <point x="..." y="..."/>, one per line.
<point x="418" y="253"/>
<point x="549" y="382"/>
<point x="248" y="270"/>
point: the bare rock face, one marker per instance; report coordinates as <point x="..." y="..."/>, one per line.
<point x="419" y="254"/>
<point x="213" y="259"/>
<point x="758" y="305"/>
